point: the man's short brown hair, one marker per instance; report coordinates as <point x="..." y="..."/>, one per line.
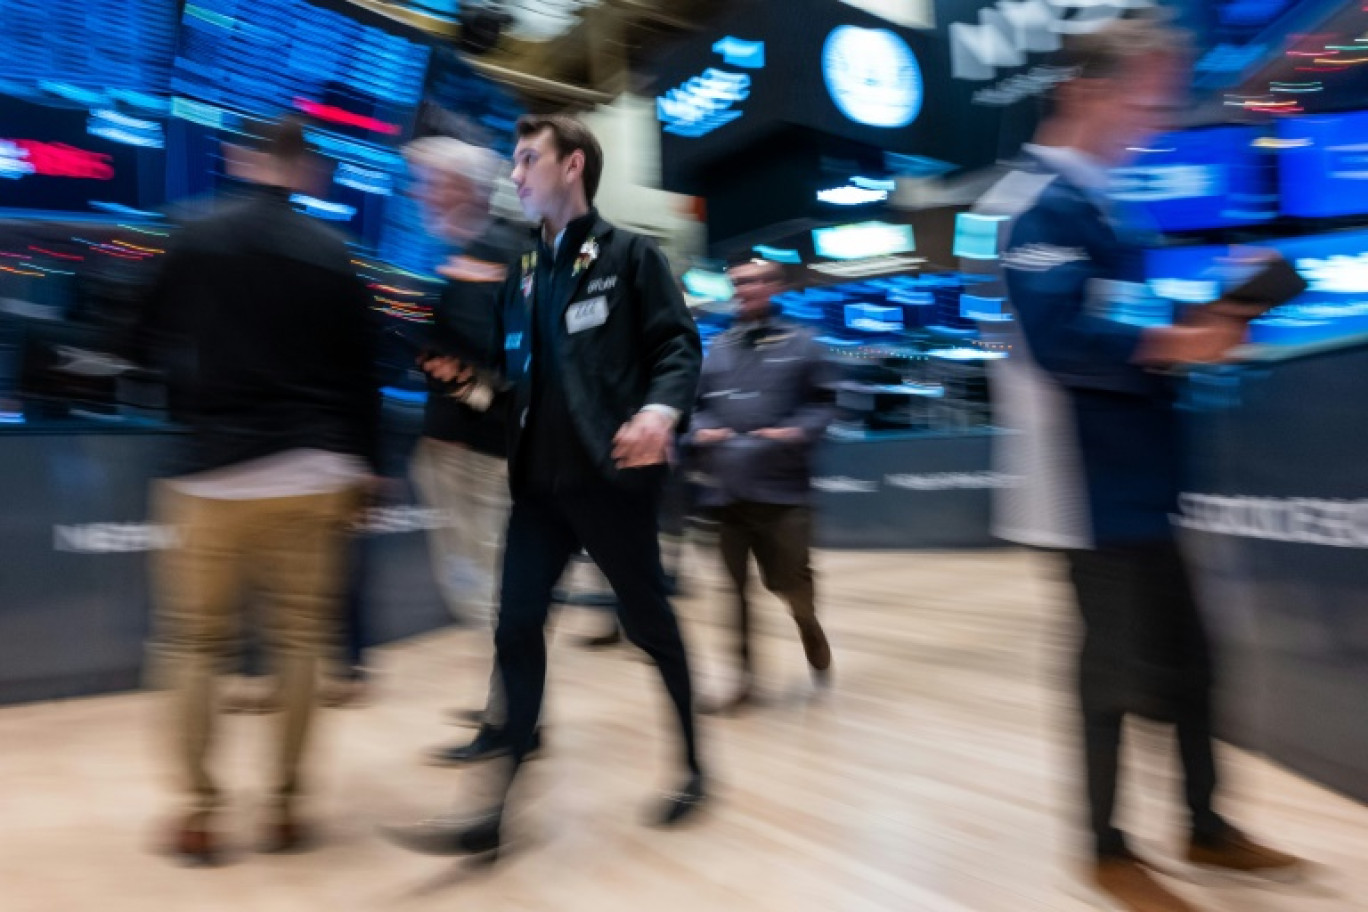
<point x="285" y="139"/>
<point x="769" y="269"/>
<point x="568" y="135"/>
<point x="1106" y="51"/>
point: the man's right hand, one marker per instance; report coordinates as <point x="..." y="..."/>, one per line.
<point x="1207" y="343"/>
<point x="445" y="368"/>
<point x="707" y="436"/>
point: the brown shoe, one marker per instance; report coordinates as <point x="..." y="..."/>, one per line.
<point x="1236" y="853"/>
<point x="194" y="842"/>
<point x="1129" y="886"/>
<point x="285" y="834"/>
<point x="815" y="645"/>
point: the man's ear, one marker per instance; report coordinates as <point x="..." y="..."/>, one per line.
<point x="575" y="164"/>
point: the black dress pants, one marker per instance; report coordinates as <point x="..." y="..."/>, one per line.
<point x="1145" y="651"/>
<point x="617" y="526"/>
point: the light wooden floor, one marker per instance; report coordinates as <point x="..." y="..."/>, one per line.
<point x="938" y="777"/>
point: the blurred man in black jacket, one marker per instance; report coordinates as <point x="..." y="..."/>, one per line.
<point x="763" y="404"/>
<point x="264" y="330"/>
<point x="602" y="357"/>
<point x="460" y="466"/>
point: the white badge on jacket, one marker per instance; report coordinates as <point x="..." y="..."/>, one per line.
<point x="586" y="315"/>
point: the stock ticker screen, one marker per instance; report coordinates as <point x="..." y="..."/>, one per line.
<point x="87" y="50"/>
<point x="269" y="56"/>
<point x="68" y="159"/>
<point x="83" y="88"/>
<point x="357" y="78"/>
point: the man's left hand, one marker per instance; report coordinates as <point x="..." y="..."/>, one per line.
<point x="643" y="441"/>
<point x="469" y="269"/>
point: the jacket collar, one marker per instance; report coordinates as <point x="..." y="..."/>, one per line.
<point x="1081" y="170"/>
<point x="271" y="194"/>
<point x="1082" y="174"/>
<point x="591" y="224"/>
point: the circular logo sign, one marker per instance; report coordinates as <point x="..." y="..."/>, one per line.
<point x="872" y="76"/>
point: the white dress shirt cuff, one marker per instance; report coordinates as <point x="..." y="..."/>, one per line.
<point x="668" y="411"/>
<point x="478" y="396"/>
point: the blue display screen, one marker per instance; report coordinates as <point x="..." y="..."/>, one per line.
<point x="1200" y="179"/>
<point x="65" y="158"/>
<point x="978" y="237"/>
<point x="873" y="318"/>
<point x="1324" y="162"/>
<point x="268" y="56"/>
<point x="711" y="286"/>
<point x="353" y="196"/>
<point x="863" y="239"/>
<point x="459" y="102"/>
<point x="1335" y="267"/>
<point x="87" y="51"/>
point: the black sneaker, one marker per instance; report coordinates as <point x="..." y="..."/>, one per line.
<point x="478" y="836"/>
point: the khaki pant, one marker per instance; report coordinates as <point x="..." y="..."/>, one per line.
<point x="780" y="537"/>
<point x="292" y="550"/>
<point x="471" y="491"/>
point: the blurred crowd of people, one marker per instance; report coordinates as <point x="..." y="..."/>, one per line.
<point x="566" y="382"/>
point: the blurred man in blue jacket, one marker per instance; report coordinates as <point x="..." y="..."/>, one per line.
<point x="763" y="404"/>
<point x="1099" y="452"/>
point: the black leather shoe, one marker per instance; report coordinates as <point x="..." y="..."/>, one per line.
<point x="681" y="805"/>
<point x="489" y="744"/>
<point x="450" y="836"/>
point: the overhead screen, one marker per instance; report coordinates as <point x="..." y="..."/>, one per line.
<point x="119" y="107"/>
<point x="82" y="104"/>
<point x="86" y="49"/>
<point x="266" y="56"/>
<point x="357" y="78"/>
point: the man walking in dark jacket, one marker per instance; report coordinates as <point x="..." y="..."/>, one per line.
<point x="266" y="334"/>
<point x="763" y="404"/>
<point x="602" y="358"/>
